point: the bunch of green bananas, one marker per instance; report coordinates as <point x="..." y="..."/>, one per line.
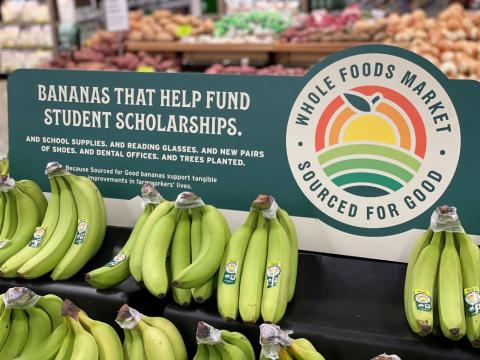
<point x="222" y="344"/>
<point x="118" y="268"/>
<point x="71" y="233"/>
<point x="22" y="208"/>
<point x="83" y="338"/>
<point x="277" y="344"/>
<point x="26" y="327"/>
<point x="259" y="269"/>
<point x="442" y="286"/>
<point x="150" y="338"/>
<point x="194" y="238"/>
<point x="299" y="349"/>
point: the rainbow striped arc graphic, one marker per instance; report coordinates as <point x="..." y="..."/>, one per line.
<point x="371" y="141"/>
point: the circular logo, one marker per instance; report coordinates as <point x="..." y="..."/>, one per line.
<point x="373" y="144"/>
<point x="82" y="226"/>
<point x="423" y="298"/>
<point x="38" y="234"/>
<point x="231" y="268"/>
<point x="273" y="271"/>
<point x="472" y="298"/>
<point x="120" y="257"/>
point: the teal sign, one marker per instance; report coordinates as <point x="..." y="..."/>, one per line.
<point x="369" y="141"/>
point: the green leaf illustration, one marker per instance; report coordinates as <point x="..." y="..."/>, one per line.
<point x="358" y="102"/>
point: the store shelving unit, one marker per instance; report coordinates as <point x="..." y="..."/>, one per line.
<point x="52" y="22"/>
<point x="294" y="54"/>
<point x="350" y="308"/>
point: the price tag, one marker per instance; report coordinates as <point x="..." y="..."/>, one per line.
<point x="116" y="15"/>
<point x="145" y="68"/>
<point x="184" y="30"/>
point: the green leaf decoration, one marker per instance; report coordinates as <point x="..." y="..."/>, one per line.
<point x="358" y="102"/>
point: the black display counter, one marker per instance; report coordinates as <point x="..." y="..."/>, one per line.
<point x="350" y="308"/>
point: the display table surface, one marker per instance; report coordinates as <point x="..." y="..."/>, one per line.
<point x="288" y="54"/>
<point x="350" y="308"/>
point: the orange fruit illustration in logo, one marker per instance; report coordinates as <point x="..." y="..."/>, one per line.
<point x="370" y="141"/>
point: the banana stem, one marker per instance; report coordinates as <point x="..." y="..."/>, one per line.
<point x="70" y="309"/>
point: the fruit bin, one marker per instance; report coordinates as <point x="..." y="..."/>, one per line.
<point x="350" y="308"/>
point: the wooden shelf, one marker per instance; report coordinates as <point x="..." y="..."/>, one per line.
<point x="24" y="23"/>
<point x="29" y="47"/>
<point x="175" y="46"/>
<point x="293" y="54"/>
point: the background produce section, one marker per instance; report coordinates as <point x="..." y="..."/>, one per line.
<point x="164" y="41"/>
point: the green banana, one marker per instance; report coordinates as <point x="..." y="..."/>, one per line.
<point x="32" y="190"/>
<point x="84" y="344"/>
<point x="52" y="305"/>
<point x="66" y="347"/>
<point x="277" y="279"/>
<point x="285" y="355"/>
<point x="471" y="286"/>
<point x="4" y="167"/>
<point x="204" y="292"/>
<point x="289" y="227"/>
<point x="136" y="350"/>
<point x="450" y="292"/>
<point x="154" y="269"/>
<point x="127" y="343"/>
<point x="5" y="325"/>
<point x="180" y="256"/>
<point x="195" y="235"/>
<point x="253" y="275"/>
<point x="49" y="347"/>
<point x="171" y="332"/>
<point x="155" y="343"/>
<point x="103" y="215"/>
<point x="117" y="269"/>
<point x="420" y="244"/>
<point x="303" y="349"/>
<point x="40" y="328"/>
<point x="56" y="247"/>
<point x="214" y="353"/>
<point x="208" y="261"/>
<point x="423" y="285"/>
<point x="17" y="337"/>
<point x="10" y="218"/>
<point x="90" y="230"/>
<point x="40" y="237"/>
<point x="230" y="352"/>
<point x="3" y="204"/>
<point x="108" y="342"/>
<point x="202" y="352"/>
<point x="28" y="220"/>
<point x="240" y="341"/>
<point x="136" y="258"/>
<point x="228" y="286"/>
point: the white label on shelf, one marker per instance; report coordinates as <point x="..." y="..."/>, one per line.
<point x="116" y="15"/>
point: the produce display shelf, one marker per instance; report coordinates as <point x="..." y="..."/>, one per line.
<point x="276" y="47"/>
<point x="350" y="308"/>
<point x="23" y="23"/>
<point x="27" y="47"/>
<point x="288" y="54"/>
